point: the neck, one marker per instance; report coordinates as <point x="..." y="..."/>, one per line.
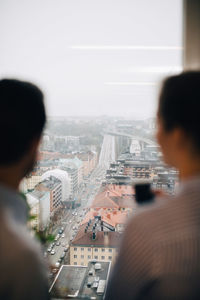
<point x="190" y="168"/>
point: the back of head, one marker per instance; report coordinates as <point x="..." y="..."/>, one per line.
<point x="22" y="118"/>
<point x="179" y="105"/>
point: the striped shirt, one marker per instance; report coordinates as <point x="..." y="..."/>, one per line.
<point x="159" y="257"/>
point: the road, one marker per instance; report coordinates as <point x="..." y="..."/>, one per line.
<point x="73" y="217"/>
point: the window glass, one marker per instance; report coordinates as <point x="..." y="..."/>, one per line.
<point x="99" y="64"/>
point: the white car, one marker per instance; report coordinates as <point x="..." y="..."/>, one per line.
<point x="57" y="265"/>
<point x="63" y="235"/>
<point x="53" y="252"/>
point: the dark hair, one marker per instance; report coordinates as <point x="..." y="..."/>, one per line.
<point x="179" y="105"/>
<point x="22" y="118"/>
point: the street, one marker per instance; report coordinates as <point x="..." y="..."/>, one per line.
<point x="73" y="217"/>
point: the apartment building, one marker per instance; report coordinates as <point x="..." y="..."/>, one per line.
<point x="111" y="199"/>
<point x="64" y="177"/>
<point x="54" y="186"/>
<point x="39" y="202"/>
<point x="90" y="244"/>
<point x="112" y="220"/>
<point x="30" y="181"/>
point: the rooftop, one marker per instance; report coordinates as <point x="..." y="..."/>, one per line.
<point x="102" y="238"/>
<point x="50" y="183"/>
<point x="114" y="198"/>
<point x="112" y="218"/>
<point x="81" y="282"/>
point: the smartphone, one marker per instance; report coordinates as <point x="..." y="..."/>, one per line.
<point x="143" y="193"/>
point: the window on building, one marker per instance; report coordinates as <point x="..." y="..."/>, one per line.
<point x="82" y="256"/>
<point x="75" y="263"/>
<point x="103" y="257"/>
<point x="75" y="256"/>
<point x="110" y="250"/>
<point x="96" y="249"/>
<point x="110" y="257"/>
<point x="82" y="264"/>
<point x="96" y="257"/>
<point x="89" y="256"/>
<point x="82" y="249"/>
<point x="89" y="249"/>
<point x="75" y="249"/>
<point x="102" y="250"/>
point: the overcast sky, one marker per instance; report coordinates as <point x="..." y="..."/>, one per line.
<point x="92" y="57"/>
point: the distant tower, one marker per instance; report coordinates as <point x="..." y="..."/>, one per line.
<point x="135" y="147"/>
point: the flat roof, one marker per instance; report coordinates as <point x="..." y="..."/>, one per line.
<point x="72" y="281"/>
<point x="68" y="281"/>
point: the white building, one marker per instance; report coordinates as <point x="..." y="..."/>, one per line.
<point x="64" y="177"/>
<point x="39" y="202"/>
<point x="135" y="148"/>
<point x="29" y="182"/>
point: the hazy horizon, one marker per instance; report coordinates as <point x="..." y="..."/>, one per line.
<point x="92" y="58"/>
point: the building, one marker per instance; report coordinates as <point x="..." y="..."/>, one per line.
<point x="70" y="167"/>
<point x="81" y="282"/>
<point x="39" y="202"/>
<point x="135" y="148"/>
<point x="92" y="243"/>
<point x="74" y="163"/>
<point x="113" y="198"/>
<point x="89" y="160"/>
<point x="137" y="169"/>
<point x="65" y="179"/>
<point x="113" y="220"/>
<point x="34" y="212"/>
<point x="54" y="186"/>
<point x="30" y="181"/>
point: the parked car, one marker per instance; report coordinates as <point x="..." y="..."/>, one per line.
<point x="58" y="244"/>
<point x="57" y="265"/>
<point x="63" y="255"/>
<point x="53" y="252"/>
<point x="63" y="235"/>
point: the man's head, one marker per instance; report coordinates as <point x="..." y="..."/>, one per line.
<point x="22" y="119"/>
<point x="179" y="118"/>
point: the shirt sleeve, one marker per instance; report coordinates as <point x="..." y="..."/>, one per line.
<point x="27" y="279"/>
<point x="130" y="273"/>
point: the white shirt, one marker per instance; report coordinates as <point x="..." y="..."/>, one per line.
<point x="22" y="271"/>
